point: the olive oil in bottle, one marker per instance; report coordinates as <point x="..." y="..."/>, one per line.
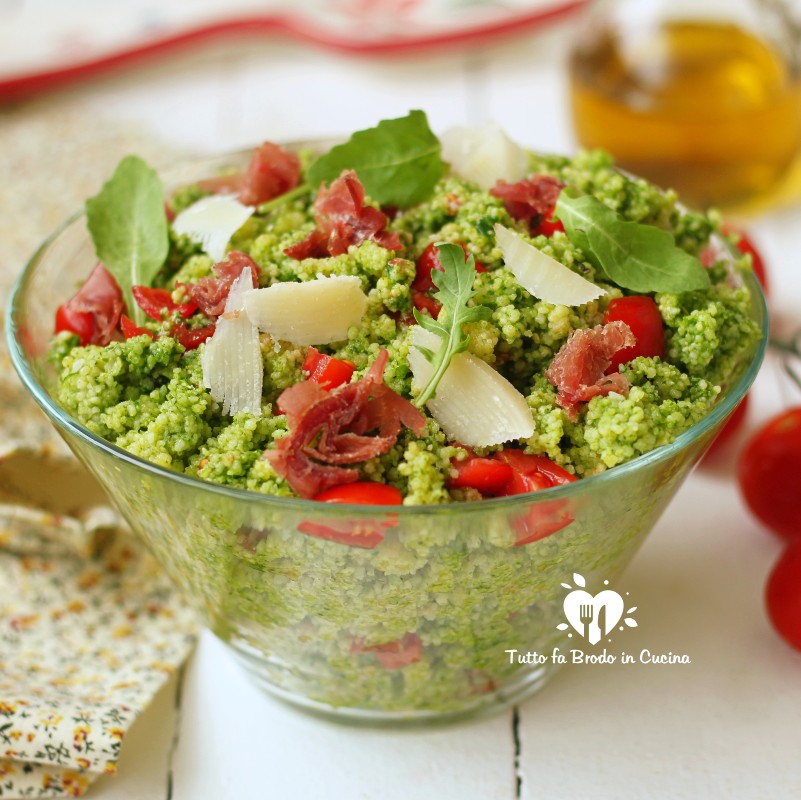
<point x="704" y="106"/>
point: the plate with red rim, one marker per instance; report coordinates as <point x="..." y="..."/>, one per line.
<point x="46" y="45"/>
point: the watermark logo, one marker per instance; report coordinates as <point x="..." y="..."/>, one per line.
<point x="594" y="616"/>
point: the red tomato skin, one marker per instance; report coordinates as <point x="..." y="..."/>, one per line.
<point x="783" y="595"/>
<point x="155" y="301"/>
<point x="487" y="475"/>
<point x="357" y="532"/>
<point x="429" y="261"/>
<point x="78" y="322"/>
<point x="363" y="493"/>
<point x="729" y="430"/>
<point x="530" y="474"/>
<point x="548" y="225"/>
<point x="130" y="329"/>
<point x="641" y="314"/>
<point x="769" y="474"/>
<point x="328" y="371"/>
<point x="192" y="339"/>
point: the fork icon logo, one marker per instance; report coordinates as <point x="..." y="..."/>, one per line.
<point x="593" y="616"/>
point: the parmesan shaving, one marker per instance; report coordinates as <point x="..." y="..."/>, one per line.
<point x="231" y="359"/>
<point x="543" y="276"/>
<point x="319" y="311"/>
<point x="475" y="405"/>
<point x="484" y="155"/>
<point x="212" y="221"/>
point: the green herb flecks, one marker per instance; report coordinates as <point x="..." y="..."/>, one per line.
<point x="454" y="291"/>
<point x="128" y="226"/>
<point x="398" y="161"/>
<point x="642" y="258"/>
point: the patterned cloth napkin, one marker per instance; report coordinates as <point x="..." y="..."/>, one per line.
<point x="89" y="627"/>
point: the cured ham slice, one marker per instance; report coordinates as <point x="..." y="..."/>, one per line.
<point x="577" y="370"/>
<point x="343" y="220"/>
<point x="329" y="428"/>
<point x="211" y="293"/>
<point x="272" y="172"/>
<point x="529" y="200"/>
<point x="100" y="298"/>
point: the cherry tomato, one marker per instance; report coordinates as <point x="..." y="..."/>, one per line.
<point x="154" y="302"/>
<point x="328" y="371"/>
<point x="130" y="329"/>
<point x="487" y="475"/>
<point x="357" y="532"/>
<point x="783" y="595"/>
<point x="191" y="338"/>
<point x="80" y="323"/>
<point x="423" y="302"/>
<point x="733" y="424"/>
<point x="746" y="246"/>
<point x="769" y="474"/>
<point x="548" y="225"/>
<point x="363" y="493"/>
<point x="531" y="473"/>
<point x="641" y="314"/>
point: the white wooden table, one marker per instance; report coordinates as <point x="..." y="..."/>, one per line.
<point x="726" y="725"/>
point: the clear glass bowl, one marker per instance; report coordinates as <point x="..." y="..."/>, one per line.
<point x="415" y="628"/>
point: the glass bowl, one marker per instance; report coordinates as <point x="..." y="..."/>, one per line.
<point x="415" y="626"/>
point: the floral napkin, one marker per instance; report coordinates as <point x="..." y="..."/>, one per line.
<point x="85" y="644"/>
<point x="89" y="627"/>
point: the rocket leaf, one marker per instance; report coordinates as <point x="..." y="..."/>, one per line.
<point x="642" y="258"/>
<point x="128" y="226"/>
<point x="455" y="289"/>
<point x="398" y="161"/>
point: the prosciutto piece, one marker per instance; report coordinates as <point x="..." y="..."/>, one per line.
<point x="330" y="428"/>
<point x="577" y="370"/>
<point x="529" y="200"/>
<point x="211" y="293"/>
<point x="101" y="298"/>
<point x="272" y="172"/>
<point x="343" y="220"/>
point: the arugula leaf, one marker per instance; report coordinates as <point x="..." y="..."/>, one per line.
<point x="455" y="289"/>
<point x="398" y="161"/>
<point x="128" y="226"/>
<point x="642" y="258"/>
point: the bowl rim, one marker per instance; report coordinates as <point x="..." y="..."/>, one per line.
<point x="723" y="406"/>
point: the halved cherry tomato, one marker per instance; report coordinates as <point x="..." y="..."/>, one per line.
<point x="130" y="329"/>
<point x="487" y="475"/>
<point x="548" y="225"/>
<point x="769" y="474"/>
<point x="783" y="595"/>
<point x="80" y="323"/>
<point x="328" y="371"/>
<point x="358" y="532"/>
<point x="641" y="314"/>
<point x="363" y="493"/>
<point x="531" y="473"/>
<point x="156" y="301"/>
<point x="395" y="654"/>
<point x="192" y="338"/>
